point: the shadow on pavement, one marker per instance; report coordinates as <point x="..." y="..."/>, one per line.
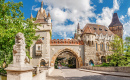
<point x="97" y="77"/>
<point x="55" y="78"/>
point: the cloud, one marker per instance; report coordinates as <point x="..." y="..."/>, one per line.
<point x="35" y="9"/>
<point x="73" y="10"/>
<point x="100" y="1"/>
<point x="127" y="29"/>
<point x="106" y="16"/>
<point x="128" y="11"/>
<point x="122" y="18"/>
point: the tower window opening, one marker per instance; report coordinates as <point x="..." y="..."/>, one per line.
<point x="38" y="47"/>
<point x="42" y="38"/>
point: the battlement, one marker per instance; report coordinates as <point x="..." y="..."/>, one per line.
<point x="66" y="42"/>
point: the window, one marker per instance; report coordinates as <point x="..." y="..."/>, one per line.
<point x="42" y="38"/>
<point x="96" y="47"/>
<point x="102" y="46"/>
<point x="95" y="28"/>
<point x="38" y="47"/>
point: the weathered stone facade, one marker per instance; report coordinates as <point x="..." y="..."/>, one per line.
<point x="90" y="44"/>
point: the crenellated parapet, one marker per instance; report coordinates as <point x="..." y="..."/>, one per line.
<point x="66" y="42"/>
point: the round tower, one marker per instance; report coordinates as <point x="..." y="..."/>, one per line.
<point x="116" y="26"/>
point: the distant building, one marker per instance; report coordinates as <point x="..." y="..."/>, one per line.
<point x="90" y="44"/>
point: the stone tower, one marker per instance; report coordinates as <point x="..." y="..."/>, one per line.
<point x="42" y="45"/>
<point x="116" y="26"/>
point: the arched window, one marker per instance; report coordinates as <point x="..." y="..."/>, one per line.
<point x="91" y="63"/>
<point x="92" y="43"/>
<point x="96" y="47"/>
<point x="42" y="63"/>
<point x="102" y="46"/>
<point x="103" y="59"/>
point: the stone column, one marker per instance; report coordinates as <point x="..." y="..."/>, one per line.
<point x="19" y="70"/>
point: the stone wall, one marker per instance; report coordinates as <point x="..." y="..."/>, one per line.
<point x="108" y="69"/>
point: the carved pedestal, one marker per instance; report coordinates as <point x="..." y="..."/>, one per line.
<point x="19" y="70"/>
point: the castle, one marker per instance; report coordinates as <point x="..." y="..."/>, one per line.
<point x="90" y="44"/>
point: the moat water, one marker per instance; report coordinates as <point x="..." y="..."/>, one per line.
<point x="3" y="77"/>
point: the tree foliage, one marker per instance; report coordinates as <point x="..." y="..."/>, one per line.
<point x="11" y="22"/>
<point x="118" y="58"/>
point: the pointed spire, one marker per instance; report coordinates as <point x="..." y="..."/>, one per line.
<point x="31" y="17"/>
<point x="78" y="27"/>
<point x="42" y="4"/>
<point x="49" y="15"/>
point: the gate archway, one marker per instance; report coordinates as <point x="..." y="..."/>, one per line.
<point x="78" y="58"/>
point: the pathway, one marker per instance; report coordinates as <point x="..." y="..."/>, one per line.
<point x="75" y="74"/>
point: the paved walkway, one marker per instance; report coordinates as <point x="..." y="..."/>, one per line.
<point x="75" y="74"/>
<point x="57" y="74"/>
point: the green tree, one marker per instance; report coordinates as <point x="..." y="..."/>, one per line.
<point x="127" y="50"/>
<point x="11" y="22"/>
<point x="118" y="56"/>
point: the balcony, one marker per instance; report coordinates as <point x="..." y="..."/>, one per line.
<point x="38" y="52"/>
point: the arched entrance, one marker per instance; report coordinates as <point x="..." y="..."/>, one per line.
<point x="91" y="63"/>
<point x="79" y="61"/>
<point x="103" y="59"/>
<point x="42" y="63"/>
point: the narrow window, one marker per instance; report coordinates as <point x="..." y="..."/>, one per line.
<point x="42" y="38"/>
<point x="96" y="46"/>
<point x="38" y="47"/>
<point x="102" y="46"/>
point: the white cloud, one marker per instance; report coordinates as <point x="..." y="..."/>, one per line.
<point x="100" y="1"/>
<point x="35" y="9"/>
<point x="73" y="10"/>
<point x="127" y="29"/>
<point x="122" y="18"/>
<point x="128" y="11"/>
<point x="106" y="16"/>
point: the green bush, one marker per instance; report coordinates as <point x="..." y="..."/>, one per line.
<point x="2" y="71"/>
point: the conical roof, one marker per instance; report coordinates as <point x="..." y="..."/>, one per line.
<point x="49" y="15"/>
<point x="115" y="21"/>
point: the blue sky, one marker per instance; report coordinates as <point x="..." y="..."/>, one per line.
<point x="66" y="14"/>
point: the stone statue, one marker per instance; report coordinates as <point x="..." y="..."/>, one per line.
<point x="19" y="43"/>
<point x="19" y="70"/>
<point x="19" y="47"/>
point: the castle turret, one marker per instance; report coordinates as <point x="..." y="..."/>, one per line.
<point x="49" y="18"/>
<point x="88" y="36"/>
<point x="116" y="26"/>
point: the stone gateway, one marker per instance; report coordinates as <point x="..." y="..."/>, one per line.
<point x="90" y="44"/>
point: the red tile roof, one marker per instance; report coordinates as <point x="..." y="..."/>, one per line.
<point x="39" y="41"/>
<point x="88" y="30"/>
<point x="98" y="29"/>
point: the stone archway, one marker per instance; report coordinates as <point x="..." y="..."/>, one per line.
<point x="79" y="59"/>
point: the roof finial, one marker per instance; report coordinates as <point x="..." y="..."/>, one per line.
<point x="31" y="16"/>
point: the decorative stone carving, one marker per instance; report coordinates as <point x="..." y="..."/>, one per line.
<point x="19" y="70"/>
